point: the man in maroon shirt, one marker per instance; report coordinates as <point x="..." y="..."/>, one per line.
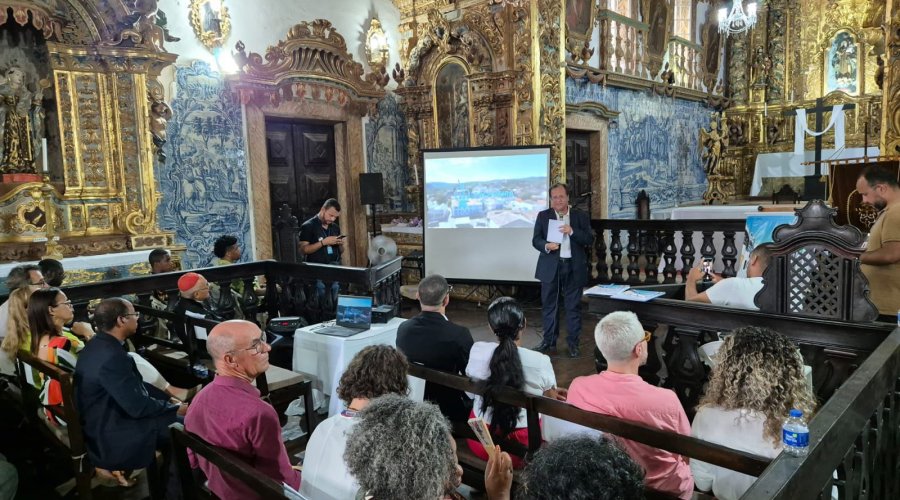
<point x="228" y="412"/>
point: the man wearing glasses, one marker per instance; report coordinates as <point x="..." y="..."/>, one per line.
<point x="433" y="341"/>
<point x="124" y="422"/>
<point x="229" y="413"/>
<point x="620" y="392"/>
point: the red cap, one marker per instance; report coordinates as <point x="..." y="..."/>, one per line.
<point x="188" y="281"/>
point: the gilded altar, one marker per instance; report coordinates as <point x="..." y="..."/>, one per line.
<point x="97" y="62"/>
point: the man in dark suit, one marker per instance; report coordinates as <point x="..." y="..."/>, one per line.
<point x="123" y="424"/>
<point x="431" y="340"/>
<point x="562" y="267"/>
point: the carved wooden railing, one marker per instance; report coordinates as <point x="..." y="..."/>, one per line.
<point x="685" y="58"/>
<point x="623" y="45"/>
<point x="854" y="441"/>
<point x="630" y="251"/>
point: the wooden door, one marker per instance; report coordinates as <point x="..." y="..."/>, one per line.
<point x="302" y="169"/>
<point x="578" y="168"/>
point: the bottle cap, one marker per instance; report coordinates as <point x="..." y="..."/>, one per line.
<point x="795" y="413"/>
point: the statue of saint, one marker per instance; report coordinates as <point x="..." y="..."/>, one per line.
<point x="714" y="141"/>
<point x="17" y="155"/>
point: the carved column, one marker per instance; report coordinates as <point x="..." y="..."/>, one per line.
<point x="492" y="97"/>
<point x="890" y="123"/>
<point x="549" y="99"/>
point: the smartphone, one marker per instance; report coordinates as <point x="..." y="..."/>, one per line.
<point x="707" y="264"/>
<point x="342" y="236"/>
<point x="483" y="434"/>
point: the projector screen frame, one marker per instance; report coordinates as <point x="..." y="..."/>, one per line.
<point x="423" y="201"/>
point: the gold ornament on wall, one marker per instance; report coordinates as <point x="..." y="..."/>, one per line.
<point x="211" y="22"/>
<point x="376" y="45"/>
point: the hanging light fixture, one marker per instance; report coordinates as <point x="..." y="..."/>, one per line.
<point x="737" y="21"/>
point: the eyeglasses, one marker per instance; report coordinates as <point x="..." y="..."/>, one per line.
<point x="135" y="314"/>
<point x="66" y="303"/>
<point x="256" y="346"/>
<point x="647" y="336"/>
<point x="39" y="283"/>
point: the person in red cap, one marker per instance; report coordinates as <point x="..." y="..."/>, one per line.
<point x="193" y="289"/>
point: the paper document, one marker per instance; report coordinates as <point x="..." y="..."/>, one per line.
<point x="199" y="331"/>
<point x="638" y="295"/>
<point x="554" y="235"/>
<point x="606" y="289"/>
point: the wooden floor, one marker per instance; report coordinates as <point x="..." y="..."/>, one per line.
<point x="474" y="317"/>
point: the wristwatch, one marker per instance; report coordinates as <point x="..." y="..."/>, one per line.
<point x="320" y="240"/>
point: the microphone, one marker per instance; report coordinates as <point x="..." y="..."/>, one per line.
<point x="585" y="195"/>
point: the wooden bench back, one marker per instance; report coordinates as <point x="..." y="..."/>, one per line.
<point x="226" y="461"/>
<point x="31" y="401"/>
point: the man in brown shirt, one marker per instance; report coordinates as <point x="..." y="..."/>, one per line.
<point x="881" y="261"/>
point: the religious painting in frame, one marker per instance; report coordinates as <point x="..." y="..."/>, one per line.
<point x="658" y="17"/>
<point x="580" y="18"/>
<point x="711" y="41"/>
<point x="842" y="63"/>
<point x="451" y="90"/>
<point x="211" y="22"/>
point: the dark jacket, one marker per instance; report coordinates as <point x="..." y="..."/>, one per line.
<point x="434" y="342"/>
<point x="581" y="238"/>
<point x="122" y="423"/>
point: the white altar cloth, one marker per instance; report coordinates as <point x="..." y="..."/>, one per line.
<point x="88" y="262"/>
<point x="786" y="165"/>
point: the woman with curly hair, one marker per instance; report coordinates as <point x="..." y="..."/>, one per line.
<point x="506" y="365"/>
<point x="375" y="371"/>
<point x="402" y="449"/>
<point x="757" y="380"/>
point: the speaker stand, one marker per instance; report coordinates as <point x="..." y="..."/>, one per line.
<point x="374" y="208"/>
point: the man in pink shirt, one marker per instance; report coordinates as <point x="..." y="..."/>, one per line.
<point x="620" y="392"/>
<point x="228" y="412"/>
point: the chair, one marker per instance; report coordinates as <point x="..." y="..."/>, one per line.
<point x="75" y="446"/>
<point x="814" y="269"/>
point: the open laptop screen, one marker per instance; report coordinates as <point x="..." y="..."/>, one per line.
<point x="354" y="312"/>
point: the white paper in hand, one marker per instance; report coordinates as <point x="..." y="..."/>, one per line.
<point x="554" y="235"/>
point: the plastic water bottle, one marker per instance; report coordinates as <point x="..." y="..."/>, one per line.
<point x="795" y="434"/>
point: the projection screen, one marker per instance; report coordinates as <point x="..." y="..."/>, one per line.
<point x="480" y="208"/>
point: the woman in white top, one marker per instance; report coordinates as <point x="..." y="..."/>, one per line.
<point x="375" y="371"/>
<point x="505" y="364"/>
<point x="757" y="380"/>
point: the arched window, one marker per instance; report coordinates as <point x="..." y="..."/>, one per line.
<point x="684" y="22"/>
<point x="620" y="7"/>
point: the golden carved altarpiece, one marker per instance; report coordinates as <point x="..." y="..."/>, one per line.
<point x="104" y="57"/>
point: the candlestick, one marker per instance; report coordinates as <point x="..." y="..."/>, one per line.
<point x="416" y="174"/>
<point x="44" y="149"/>
<point x="765" y="108"/>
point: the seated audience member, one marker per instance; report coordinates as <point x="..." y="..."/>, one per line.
<point x="230" y="414"/>
<point x="20" y="276"/>
<point x="403" y="449"/>
<point x="731" y="292"/>
<point x="161" y="261"/>
<point x="9" y="480"/>
<point x="505" y="364"/>
<point x="227" y="252"/>
<point x="757" y="380"/>
<point x="432" y="340"/>
<point x="373" y="372"/>
<point x="582" y="468"/>
<point x="53" y="272"/>
<point x="620" y="392"/>
<point x="18" y="336"/>
<point x="123" y="423"/>
<point x="193" y="291"/>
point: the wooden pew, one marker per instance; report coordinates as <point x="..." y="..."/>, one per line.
<point x="226" y="461"/>
<point x="538" y="405"/>
<point x="75" y="447"/>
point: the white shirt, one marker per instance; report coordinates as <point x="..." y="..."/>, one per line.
<point x="741" y="430"/>
<point x="538" y="370"/>
<point x="565" y="248"/>
<point x="735" y="292"/>
<point x="325" y="474"/>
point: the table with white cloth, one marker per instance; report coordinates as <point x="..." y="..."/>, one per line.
<point x="325" y="357"/>
<point x="786" y="165"/>
<point x="93" y="268"/>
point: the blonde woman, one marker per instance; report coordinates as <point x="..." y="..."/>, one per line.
<point x="17" y="333"/>
<point x="757" y="380"/>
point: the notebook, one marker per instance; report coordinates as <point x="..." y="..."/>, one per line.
<point x="354" y="315"/>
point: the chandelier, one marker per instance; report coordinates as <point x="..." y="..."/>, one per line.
<point x="736" y="21"/>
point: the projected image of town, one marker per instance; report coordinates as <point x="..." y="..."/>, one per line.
<point x="485" y="192"/>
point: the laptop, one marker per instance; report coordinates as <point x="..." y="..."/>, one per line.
<point x="354" y="315"/>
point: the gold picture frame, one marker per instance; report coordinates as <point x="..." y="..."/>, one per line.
<point x="579" y="18"/>
<point x="211" y="22"/>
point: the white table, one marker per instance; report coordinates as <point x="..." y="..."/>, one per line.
<point x="325" y="357"/>
<point x="787" y="165"/>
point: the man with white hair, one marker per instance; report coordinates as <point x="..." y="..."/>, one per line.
<point x="620" y="392"/>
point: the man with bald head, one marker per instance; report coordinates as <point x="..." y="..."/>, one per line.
<point x="229" y="413"/>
